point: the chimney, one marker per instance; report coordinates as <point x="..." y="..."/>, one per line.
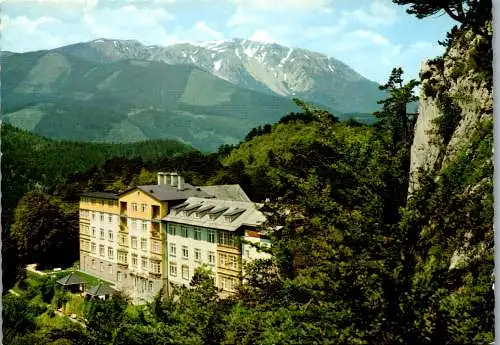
<point x="160" y="178"/>
<point x="180" y="183"/>
<point x="173" y="179"/>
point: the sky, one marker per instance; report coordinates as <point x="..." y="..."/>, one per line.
<point x="371" y="36"/>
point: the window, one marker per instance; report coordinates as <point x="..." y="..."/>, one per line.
<point x="172" y="252"/>
<point x="222" y="260"/>
<point x="211" y="258"/>
<point x="173" y="269"/>
<point x="93" y="263"/>
<point x="144" y="244"/>
<point x="101" y="249"/>
<point x="233" y="264"/>
<point x="144" y="226"/>
<point x="211" y="236"/>
<point x="102" y="217"/>
<point x="110" y="218"/>
<point x="134" y="260"/>
<point x="110" y="252"/>
<point x="185" y="252"/>
<point x="247" y="254"/>
<point x="102" y="204"/>
<point x="119" y="276"/>
<point x="102" y="234"/>
<point x="197" y="234"/>
<point x="134" y="207"/>
<point x="156" y="247"/>
<point x="144" y="207"/>
<point x="227" y="238"/>
<point x="93" y="215"/>
<point x="93" y="232"/>
<point x="123" y="240"/>
<point x="94" y="247"/>
<point x="133" y="242"/>
<point x="150" y="286"/>
<point x="144" y="263"/>
<point x="102" y="267"/>
<point x="227" y="283"/>
<point x="122" y="257"/>
<point x="184" y="231"/>
<point x="110" y="235"/>
<point x="172" y="227"/>
<point x="197" y="254"/>
<point x="185" y="272"/>
<point x="155" y="266"/>
<point x="110" y="269"/>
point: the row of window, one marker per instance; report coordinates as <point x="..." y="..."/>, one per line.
<point x="142" y="285"/>
<point x="185" y="253"/>
<point x="93" y="201"/>
<point x="225" y="282"/>
<point x="195" y="232"/>
<point x="184" y="270"/>
<point x="154" y="265"/>
<point x="102" y="234"/>
<point x="102" y="266"/>
<point x="135" y="207"/>
<point x="228" y="283"/>
<point x="103" y="217"/>
<point x="134" y="224"/>
<point x="102" y="250"/>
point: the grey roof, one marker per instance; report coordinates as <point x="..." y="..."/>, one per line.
<point x="72" y="279"/>
<point x="245" y="213"/>
<point x="169" y="193"/>
<point x="101" y="195"/>
<point x="227" y="192"/>
<point x="101" y="290"/>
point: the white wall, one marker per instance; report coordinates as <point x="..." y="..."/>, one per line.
<point x="107" y="226"/>
<point x="139" y="234"/>
<point x="191" y="244"/>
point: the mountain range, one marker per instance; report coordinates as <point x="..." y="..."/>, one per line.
<point x="203" y="94"/>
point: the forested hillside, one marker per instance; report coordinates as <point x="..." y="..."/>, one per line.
<point x="373" y="240"/>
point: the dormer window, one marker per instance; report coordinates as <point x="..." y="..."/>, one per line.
<point x="189" y="209"/>
<point x="216" y="212"/>
<point x="203" y="210"/>
<point x="179" y="208"/>
<point x="233" y="214"/>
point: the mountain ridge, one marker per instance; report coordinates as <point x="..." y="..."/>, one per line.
<point x="124" y="91"/>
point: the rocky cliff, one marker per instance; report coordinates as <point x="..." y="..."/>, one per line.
<point x="453" y="146"/>
<point x="455" y="103"/>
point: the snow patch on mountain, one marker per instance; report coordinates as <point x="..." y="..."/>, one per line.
<point x="217" y="65"/>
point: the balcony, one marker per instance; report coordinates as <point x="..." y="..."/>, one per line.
<point x="155" y="213"/>
<point x="123" y="209"/>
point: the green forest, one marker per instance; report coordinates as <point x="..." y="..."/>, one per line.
<point x="356" y="258"/>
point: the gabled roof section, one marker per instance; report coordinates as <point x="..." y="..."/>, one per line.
<point x="169" y="193"/>
<point x="101" y="290"/>
<point x="236" y="214"/>
<point x="100" y="195"/>
<point x="72" y="279"/>
<point x="231" y="192"/>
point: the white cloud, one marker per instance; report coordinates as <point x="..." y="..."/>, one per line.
<point x="371" y="36"/>
<point x="261" y="35"/>
<point x="202" y="26"/>
<point x="380" y="13"/>
<point x="282" y="5"/>
<point x="243" y="17"/>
